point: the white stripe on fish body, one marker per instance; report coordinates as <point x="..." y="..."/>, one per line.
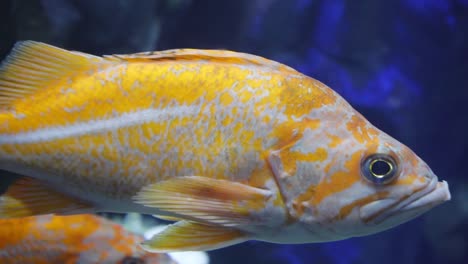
<point x="264" y="149"/>
<point x="122" y="174"/>
<point x="98" y="126"/>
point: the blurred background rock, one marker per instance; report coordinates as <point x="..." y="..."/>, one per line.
<point x="402" y="63"/>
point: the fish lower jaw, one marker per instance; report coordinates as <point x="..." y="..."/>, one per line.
<point x="434" y="197"/>
<point x="433" y="194"/>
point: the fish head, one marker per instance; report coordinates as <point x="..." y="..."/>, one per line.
<point x="343" y="177"/>
<point x="381" y="183"/>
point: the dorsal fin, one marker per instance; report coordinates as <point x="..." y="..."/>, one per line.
<point x="33" y="65"/>
<point x="219" y="56"/>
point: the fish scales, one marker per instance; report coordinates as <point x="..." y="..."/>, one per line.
<point x="161" y="125"/>
<point x="71" y="239"/>
<point x="231" y="145"/>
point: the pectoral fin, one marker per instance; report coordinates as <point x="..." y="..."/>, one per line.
<point x="204" y="199"/>
<point x="190" y="236"/>
<point x="29" y="197"/>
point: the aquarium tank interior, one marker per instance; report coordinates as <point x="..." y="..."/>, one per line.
<point x="402" y="64"/>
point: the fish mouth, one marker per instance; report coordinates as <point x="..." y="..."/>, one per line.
<point x="433" y="194"/>
<point x="439" y="194"/>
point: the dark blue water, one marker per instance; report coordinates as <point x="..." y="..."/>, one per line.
<point x="402" y="63"/>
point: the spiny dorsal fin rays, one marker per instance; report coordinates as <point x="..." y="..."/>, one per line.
<point x="190" y="236"/>
<point x="219" y="56"/>
<point x="205" y="200"/>
<point x="34" y="65"/>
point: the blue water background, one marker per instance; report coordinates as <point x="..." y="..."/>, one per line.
<point x="402" y="63"/>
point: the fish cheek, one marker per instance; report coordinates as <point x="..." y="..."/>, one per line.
<point x="340" y="180"/>
<point x="341" y="190"/>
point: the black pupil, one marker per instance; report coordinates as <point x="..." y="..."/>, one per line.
<point x="380" y="168"/>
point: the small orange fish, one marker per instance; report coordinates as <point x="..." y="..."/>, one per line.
<point x="231" y="145"/>
<point x="74" y="239"/>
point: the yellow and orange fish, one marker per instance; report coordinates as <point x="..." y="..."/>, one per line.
<point x="233" y="146"/>
<point x="86" y="239"/>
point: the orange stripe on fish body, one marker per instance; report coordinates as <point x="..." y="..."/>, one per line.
<point x="239" y="146"/>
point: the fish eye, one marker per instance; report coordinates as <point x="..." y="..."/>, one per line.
<point x="379" y="169"/>
<point x="132" y="260"/>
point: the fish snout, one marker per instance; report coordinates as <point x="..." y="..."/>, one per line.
<point x="398" y="211"/>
